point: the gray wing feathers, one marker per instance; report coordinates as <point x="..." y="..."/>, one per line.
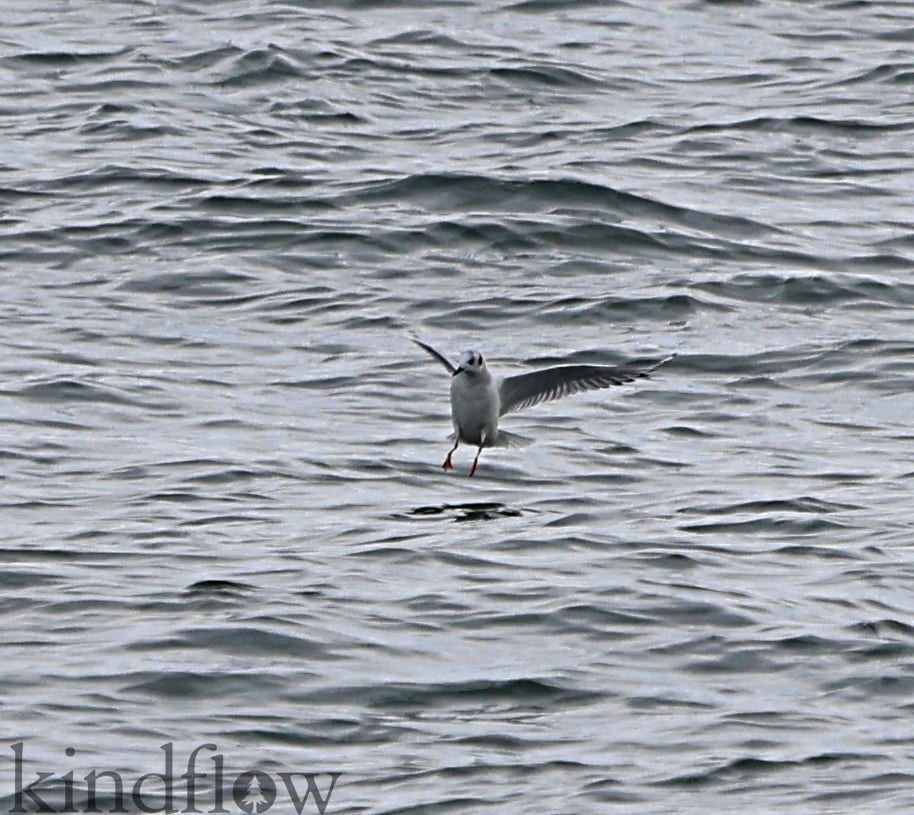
<point x="436" y="355"/>
<point x="526" y="390"/>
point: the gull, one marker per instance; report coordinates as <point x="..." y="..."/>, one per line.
<point x="478" y="400"/>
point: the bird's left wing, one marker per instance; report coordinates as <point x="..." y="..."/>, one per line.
<point x="525" y="390"/>
<point x="439" y="356"/>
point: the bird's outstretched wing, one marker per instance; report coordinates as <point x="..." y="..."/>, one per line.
<point x="524" y="390"/>
<point x="440" y="357"/>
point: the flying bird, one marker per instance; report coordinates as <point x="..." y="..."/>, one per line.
<point x="478" y="400"/>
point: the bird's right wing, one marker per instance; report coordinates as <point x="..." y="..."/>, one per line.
<point x="439" y="356"/>
<point x="524" y="390"/>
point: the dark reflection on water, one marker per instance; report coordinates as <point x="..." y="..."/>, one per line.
<point x="474" y="511"/>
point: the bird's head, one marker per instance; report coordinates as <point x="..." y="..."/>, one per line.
<point x="470" y="362"/>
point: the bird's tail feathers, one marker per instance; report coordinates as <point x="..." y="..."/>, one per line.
<point x="506" y="439"/>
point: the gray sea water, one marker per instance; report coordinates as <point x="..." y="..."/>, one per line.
<point x="225" y="526"/>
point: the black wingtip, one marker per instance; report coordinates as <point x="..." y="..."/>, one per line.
<point x="435" y="355"/>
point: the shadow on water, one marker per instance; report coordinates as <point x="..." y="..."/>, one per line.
<point x="475" y="511"/>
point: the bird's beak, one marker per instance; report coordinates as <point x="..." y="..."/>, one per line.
<point x="457" y="371"/>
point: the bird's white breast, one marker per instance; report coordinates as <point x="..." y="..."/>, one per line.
<point x="474" y="408"/>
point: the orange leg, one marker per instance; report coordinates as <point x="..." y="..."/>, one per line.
<point x="476" y="460"/>
<point x="447" y="462"/>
